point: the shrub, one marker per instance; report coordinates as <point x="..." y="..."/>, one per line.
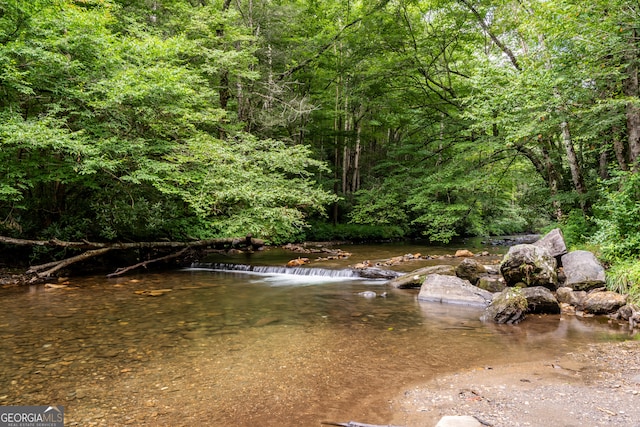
<point x="353" y="232"/>
<point x="618" y="218"/>
<point x="624" y="278"/>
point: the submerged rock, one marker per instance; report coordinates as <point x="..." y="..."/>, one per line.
<point x="368" y="294"/>
<point x="453" y="290"/>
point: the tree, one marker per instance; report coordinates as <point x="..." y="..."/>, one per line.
<point x="111" y="131"/>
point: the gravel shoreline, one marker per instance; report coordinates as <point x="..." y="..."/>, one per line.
<point x="598" y="386"/>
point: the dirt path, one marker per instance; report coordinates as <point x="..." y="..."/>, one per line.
<point x="597" y="387"/>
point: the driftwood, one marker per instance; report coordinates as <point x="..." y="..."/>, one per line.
<point x="121" y="271"/>
<point x="93" y="249"/>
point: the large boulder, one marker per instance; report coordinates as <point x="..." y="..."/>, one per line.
<point x="416" y="277"/>
<point x="509" y="306"/>
<point x="540" y="300"/>
<point x="470" y="269"/>
<point x="529" y="264"/>
<point x="583" y="271"/>
<point x="553" y="241"/>
<point x="603" y="302"/>
<point x="453" y="290"/>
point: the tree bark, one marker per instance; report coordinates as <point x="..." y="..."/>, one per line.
<point x="631" y="89"/>
<point x="121" y="271"/>
<point x="618" y="149"/>
<point x="574" y="165"/>
<point x="224" y="93"/>
<point x="355" y="184"/>
<point x="493" y="37"/>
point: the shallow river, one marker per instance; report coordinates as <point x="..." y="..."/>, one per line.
<point x="202" y="347"/>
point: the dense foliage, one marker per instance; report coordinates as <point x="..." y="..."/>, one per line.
<point x="147" y="119"/>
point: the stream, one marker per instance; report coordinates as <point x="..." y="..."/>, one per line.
<point x="204" y="346"/>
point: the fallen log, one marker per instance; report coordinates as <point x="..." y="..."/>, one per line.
<point x="57" y="265"/>
<point x="121" y="271"/>
<point x="94" y="249"/>
<point x="219" y="242"/>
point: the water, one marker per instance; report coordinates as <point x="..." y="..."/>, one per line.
<point x="247" y="348"/>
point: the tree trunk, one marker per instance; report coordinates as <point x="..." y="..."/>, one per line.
<point x="618" y="149"/>
<point x="574" y="165"/>
<point x="494" y="38"/>
<point x="345" y="167"/>
<point x="224" y="93"/>
<point x="355" y="184"/>
<point x="633" y="111"/>
<point x="552" y="181"/>
<point x="603" y="165"/>
<point x="346" y="152"/>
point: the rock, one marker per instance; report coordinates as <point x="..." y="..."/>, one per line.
<point x="567" y="295"/>
<point x="530" y="264"/>
<point x="491" y="283"/>
<point x="407" y="281"/>
<point x="453" y="290"/>
<point x="153" y="292"/>
<point x="368" y="294"/>
<point x="377" y="273"/>
<point x="583" y="271"/>
<point x="561" y="277"/>
<point x="266" y="321"/>
<point x="445" y="269"/>
<point x="603" y="302"/>
<point x="470" y="269"/>
<point x="362" y="265"/>
<point x="553" y="241"/>
<point x="492" y="269"/>
<point x="463" y="253"/>
<point x="416" y="277"/>
<point x="541" y="300"/>
<point x="627" y="311"/>
<point x="509" y="306"/>
<point x="297" y="262"/>
<point x="458" y="421"/>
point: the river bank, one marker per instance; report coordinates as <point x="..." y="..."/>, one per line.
<point x="595" y="386"/>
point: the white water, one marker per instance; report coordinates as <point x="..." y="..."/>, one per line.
<point x="285" y="276"/>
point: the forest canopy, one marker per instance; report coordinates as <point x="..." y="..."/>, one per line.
<point x="129" y="120"/>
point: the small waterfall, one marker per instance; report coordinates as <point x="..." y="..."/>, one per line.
<point x="264" y="269"/>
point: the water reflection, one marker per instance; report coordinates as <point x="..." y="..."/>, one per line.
<point x="222" y="349"/>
